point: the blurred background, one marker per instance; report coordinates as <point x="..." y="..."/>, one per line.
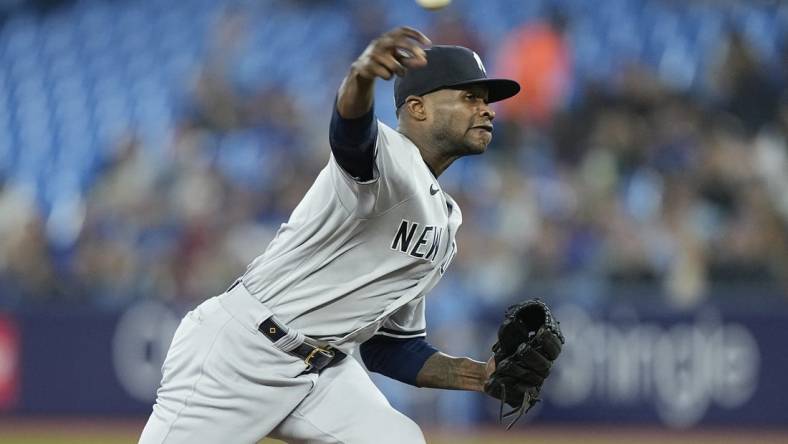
<point x="149" y="149"/>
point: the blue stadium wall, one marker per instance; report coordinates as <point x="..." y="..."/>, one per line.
<point x="636" y="364"/>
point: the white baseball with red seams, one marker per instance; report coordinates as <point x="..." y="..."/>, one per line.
<point x="433" y="4"/>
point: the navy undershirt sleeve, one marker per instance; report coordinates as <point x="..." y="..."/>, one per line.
<point x="353" y="143"/>
<point x="400" y="359"/>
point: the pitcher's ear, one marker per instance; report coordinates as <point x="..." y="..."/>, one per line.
<point x="415" y="107"/>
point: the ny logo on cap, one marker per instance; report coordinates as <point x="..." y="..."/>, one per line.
<point x="479" y="62"/>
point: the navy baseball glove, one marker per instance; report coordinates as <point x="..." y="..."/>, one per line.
<point x="529" y="341"/>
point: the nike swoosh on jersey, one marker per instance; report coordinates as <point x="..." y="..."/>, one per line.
<point x="433" y="191"/>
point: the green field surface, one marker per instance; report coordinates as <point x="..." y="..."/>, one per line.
<point x="65" y="431"/>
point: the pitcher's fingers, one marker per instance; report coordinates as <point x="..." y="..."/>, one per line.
<point x="409" y="54"/>
<point x="381" y="71"/>
<point x="395" y="42"/>
<point x="390" y="63"/>
<point x="415" y="34"/>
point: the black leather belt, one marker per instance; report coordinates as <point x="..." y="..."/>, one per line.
<point x="316" y="358"/>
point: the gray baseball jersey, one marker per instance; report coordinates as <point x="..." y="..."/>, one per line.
<point x="357" y="258"/>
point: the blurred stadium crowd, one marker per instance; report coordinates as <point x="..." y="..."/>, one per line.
<point x="150" y="149"/>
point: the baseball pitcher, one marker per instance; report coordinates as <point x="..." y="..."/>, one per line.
<point x="349" y="272"/>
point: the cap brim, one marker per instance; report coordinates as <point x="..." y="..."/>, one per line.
<point x="497" y="89"/>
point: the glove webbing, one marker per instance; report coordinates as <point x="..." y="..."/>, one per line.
<point x="522" y="410"/>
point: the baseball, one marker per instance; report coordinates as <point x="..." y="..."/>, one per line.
<point x="433" y="5"/>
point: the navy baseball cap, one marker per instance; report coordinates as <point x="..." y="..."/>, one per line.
<point x="450" y="67"/>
